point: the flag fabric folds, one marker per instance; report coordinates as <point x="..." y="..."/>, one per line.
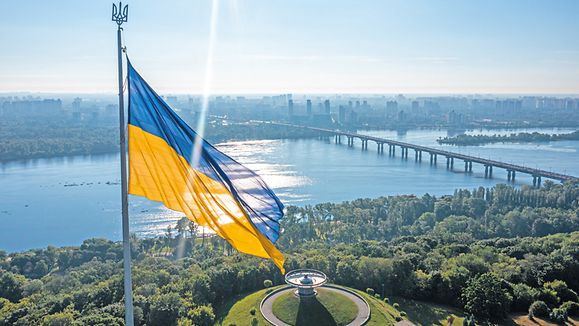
<point x="172" y="164"/>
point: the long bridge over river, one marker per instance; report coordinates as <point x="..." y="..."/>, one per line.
<point x="434" y="153"/>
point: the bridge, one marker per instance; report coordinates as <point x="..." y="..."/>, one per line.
<point x="434" y="153"/>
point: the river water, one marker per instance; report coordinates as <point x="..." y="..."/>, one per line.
<point x="62" y="201"/>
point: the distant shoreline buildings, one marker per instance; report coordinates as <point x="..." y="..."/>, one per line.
<point x="348" y="111"/>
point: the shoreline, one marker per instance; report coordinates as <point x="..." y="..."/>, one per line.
<point x="26" y="159"/>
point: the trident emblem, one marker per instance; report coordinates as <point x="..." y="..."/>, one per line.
<point x="118" y="16"/>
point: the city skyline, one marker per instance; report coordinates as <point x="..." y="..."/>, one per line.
<point x="391" y="47"/>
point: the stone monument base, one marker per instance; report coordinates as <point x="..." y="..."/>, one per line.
<point x="305" y="294"/>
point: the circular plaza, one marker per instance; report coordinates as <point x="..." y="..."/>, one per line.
<point x="309" y="300"/>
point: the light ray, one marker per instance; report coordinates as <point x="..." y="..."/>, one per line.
<point x="200" y="129"/>
<point x="207" y="82"/>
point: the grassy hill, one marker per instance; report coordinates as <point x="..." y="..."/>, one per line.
<point x="381" y="313"/>
<point x="237" y="311"/>
<point x="327" y="308"/>
<point x="426" y="313"/>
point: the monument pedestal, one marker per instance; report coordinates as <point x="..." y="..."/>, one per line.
<point x="305" y="281"/>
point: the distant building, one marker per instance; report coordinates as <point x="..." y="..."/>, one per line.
<point x="290" y="108"/>
<point x="415" y="106"/>
<point x="391" y="108"/>
<point x="322" y="120"/>
<point x="327" y="106"/>
<point x="76" y="104"/>
<point x="172" y="101"/>
<point x="46" y="107"/>
<point x="455" y="119"/>
<point x="309" y="108"/>
<point x="392" y="105"/>
<point x="353" y="117"/>
<point x="342" y="114"/>
<point x="401" y="116"/>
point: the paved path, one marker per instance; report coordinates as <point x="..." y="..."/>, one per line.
<point x="361" y="318"/>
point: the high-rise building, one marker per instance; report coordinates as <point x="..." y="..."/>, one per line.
<point x="415" y="106"/>
<point x="173" y="101"/>
<point x="327" y="106"/>
<point x="353" y="117"/>
<point x="392" y="105"/>
<point x="290" y="108"/>
<point x="309" y="107"/>
<point x="401" y="116"/>
<point x="342" y="114"/>
<point x="76" y="104"/>
<point x="391" y="108"/>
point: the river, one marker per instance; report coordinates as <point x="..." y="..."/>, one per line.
<point x="62" y="201"/>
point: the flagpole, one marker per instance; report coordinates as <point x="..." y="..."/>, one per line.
<point x="120" y="15"/>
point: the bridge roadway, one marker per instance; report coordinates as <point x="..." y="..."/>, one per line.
<point x="433" y="152"/>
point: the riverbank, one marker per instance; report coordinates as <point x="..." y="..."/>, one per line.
<point x="52" y="141"/>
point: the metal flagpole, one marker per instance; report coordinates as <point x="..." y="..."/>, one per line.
<point x="120" y="15"/>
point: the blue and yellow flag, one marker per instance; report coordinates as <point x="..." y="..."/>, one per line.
<point x="170" y="163"/>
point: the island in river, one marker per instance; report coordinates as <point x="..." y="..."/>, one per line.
<point x="522" y="137"/>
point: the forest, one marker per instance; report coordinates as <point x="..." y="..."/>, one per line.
<point x="488" y="251"/>
<point x="37" y="138"/>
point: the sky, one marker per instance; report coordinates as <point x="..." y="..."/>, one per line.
<point x="297" y="46"/>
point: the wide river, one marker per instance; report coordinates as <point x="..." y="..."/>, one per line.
<point x="62" y="201"/>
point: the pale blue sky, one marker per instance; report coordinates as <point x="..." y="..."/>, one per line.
<point x="297" y="46"/>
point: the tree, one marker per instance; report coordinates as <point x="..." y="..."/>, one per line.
<point x="538" y="309"/>
<point x="199" y="288"/>
<point x="183" y="225"/>
<point x="64" y="318"/>
<point x="485" y="297"/>
<point x="558" y="315"/>
<point x="562" y="290"/>
<point x="165" y="309"/>
<point x="523" y="296"/>
<point x="34" y="286"/>
<point x="40" y="269"/>
<point x="442" y="209"/>
<point x="572" y="308"/>
<point x="267" y="283"/>
<point x="11" y="286"/>
<point x="169" y="232"/>
<point x="101" y="319"/>
<point x="202" y="316"/>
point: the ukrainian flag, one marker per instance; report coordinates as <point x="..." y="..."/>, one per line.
<point x="170" y="163"/>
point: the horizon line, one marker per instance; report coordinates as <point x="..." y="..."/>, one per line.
<point x="19" y="93"/>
